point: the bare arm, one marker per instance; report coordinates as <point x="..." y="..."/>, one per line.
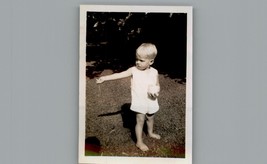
<point x="115" y="76"/>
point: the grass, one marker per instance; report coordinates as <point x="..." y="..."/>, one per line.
<point x="110" y="123"/>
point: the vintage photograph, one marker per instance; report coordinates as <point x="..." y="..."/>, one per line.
<point x="135" y="89"/>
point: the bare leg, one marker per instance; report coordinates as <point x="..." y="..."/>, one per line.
<point x="140" y="119"/>
<point x="150" y="125"/>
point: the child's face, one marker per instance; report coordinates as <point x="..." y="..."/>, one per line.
<point x="142" y="62"/>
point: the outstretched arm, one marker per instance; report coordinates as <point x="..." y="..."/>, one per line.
<point x="115" y="76"/>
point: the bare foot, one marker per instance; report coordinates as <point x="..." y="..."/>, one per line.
<point x="142" y="146"/>
<point x="156" y="136"/>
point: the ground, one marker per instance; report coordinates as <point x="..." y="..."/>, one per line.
<point x="110" y="123"/>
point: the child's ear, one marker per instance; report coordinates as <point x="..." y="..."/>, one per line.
<point x="151" y="62"/>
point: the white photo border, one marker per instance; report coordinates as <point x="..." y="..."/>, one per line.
<point x="82" y="84"/>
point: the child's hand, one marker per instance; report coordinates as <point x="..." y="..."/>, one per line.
<point x="153" y="96"/>
<point x="99" y="80"/>
<point x="153" y="92"/>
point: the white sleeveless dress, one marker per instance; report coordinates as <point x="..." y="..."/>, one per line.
<point x="140" y="83"/>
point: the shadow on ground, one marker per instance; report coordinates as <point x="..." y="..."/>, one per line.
<point x="128" y="118"/>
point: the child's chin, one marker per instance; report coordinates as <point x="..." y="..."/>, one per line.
<point x="140" y="68"/>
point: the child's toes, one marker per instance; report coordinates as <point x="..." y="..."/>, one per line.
<point x="142" y="147"/>
<point x="156" y="136"/>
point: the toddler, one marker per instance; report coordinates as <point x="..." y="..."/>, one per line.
<point x="144" y="90"/>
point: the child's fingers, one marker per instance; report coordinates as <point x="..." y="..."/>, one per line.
<point x="153" y="95"/>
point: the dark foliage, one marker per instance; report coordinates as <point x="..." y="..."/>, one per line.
<point x="112" y="39"/>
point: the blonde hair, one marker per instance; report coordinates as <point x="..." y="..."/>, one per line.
<point x="147" y="50"/>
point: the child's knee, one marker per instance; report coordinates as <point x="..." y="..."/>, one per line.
<point x="140" y="118"/>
